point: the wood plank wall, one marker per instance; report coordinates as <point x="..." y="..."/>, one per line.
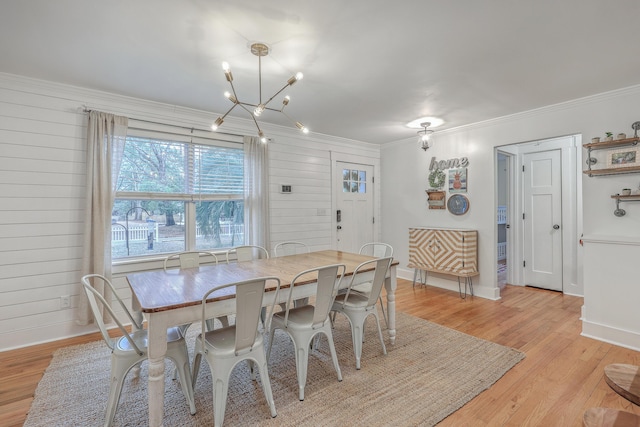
<point x="42" y="176"/>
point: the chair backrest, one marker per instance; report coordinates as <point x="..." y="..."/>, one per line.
<point x="249" y="295"/>
<point x="290" y="248"/>
<point x="99" y="305"/>
<point x="328" y="280"/>
<point x="191" y="259"/>
<point x="248" y="253"/>
<point x="377" y="249"/>
<point x="381" y="266"/>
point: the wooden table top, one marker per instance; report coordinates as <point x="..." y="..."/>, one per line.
<point x="161" y="290"/>
<point x="625" y="380"/>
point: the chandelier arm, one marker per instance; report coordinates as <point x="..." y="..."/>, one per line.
<point x="233" y="89"/>
<point x="274" y="109"/>
<point x="288" y="117"/>
<point x="252" y="117"/>
<point x="276" y="94"/>
<point x="228" y="111"/>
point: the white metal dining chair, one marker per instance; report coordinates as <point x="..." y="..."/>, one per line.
<point x="290" y="248"/>
<point x="378" y="250"/>
<point x="357" y="307"/>
<point x="131" y="348"/>
<point x="226" y="347"/>
<point x="247" y="253"/>
<point x="190" y="259"/>
<point x="303" y="323"/>
<point x="193" y="259"/>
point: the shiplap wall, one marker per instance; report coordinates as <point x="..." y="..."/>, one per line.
<point x="42" y="182"/>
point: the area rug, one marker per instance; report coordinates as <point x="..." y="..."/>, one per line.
<point x="429" y="373"/>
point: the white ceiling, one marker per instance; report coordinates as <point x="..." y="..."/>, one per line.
<point x="370" y="66"/>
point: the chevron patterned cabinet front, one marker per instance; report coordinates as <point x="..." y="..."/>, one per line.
<point x="449" y="251"/>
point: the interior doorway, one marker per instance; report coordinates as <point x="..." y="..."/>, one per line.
<point x="503" y="220"/>
<point x="526" y="246"/>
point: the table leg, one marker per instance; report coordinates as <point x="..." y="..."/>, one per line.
<point x="391" y="285"/>
<point x="156" y="351"/>
<point x="136" y="311"/>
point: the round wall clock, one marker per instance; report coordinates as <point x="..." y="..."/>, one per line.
<point x="458" y="204"/>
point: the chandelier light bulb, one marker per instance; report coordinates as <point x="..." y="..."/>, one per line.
<point x="258" y="111"/>
<point x="286" y="100"/>
<point x="263" y="138"/>
<point x="227" y="72"/>
<point x="217" y="123"/>
<point x="295" y="78"/>
<point x="302" y="127"/>
<point x="230" y="97"/>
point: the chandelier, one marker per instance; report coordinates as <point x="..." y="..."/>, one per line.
<point x="424" y="135"/>
<point x="256" y="110"/>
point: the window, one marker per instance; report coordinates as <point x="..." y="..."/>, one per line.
<point x="174" y="195"/>
<point x="354" y="181"/>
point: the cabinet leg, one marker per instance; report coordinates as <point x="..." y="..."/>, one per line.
<point x="468" y="281"/>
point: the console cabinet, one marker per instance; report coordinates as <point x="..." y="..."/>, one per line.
<point x="444" y="251"/>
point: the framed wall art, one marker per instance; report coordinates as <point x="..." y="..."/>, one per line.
<point x="458" y="180"/>
<point x="623" y="157"/>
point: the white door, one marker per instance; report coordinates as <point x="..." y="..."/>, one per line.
<point x="542" y="219"/>
<point x="354" y="204"/>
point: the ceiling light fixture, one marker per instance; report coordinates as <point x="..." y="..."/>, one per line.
<point x="256" y="110"/>
<point x="424" y="135"/>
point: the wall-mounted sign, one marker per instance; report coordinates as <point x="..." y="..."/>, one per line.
<point x="462" y="162"/>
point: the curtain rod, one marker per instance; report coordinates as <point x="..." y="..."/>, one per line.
<point x="191" y="129"/>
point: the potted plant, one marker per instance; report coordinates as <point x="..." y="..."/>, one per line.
<point x="609" y="136"/>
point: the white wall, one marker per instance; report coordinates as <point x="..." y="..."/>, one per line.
<point x="42" y="167"/>
<point x="405" y="172"/>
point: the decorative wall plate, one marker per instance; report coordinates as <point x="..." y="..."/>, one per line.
<point x="458" y="204"/>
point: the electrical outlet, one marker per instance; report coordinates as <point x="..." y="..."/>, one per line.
<point x="65" y="302"/>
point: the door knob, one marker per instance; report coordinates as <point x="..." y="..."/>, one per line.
<point x="556" y="226"/>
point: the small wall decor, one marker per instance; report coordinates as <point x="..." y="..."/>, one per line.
<point x="436" y="199"/>
<point x="436" y="179"/>
<point x="623" y="157"/>
<point x="458" y="204"/>
<point x="458" y="180"/>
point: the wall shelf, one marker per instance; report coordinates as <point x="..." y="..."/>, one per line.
<point x="629" y="198"/>
<point x="620" y="198"/>
<point x="601" y="145"/>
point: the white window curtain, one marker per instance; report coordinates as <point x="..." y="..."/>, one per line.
<point x="106" y="136"/>
<point x="256" y="192"/>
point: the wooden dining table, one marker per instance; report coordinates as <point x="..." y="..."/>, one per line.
<point x="174" y="297"/>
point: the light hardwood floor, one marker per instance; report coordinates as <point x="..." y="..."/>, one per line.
<point x="559" y="379"/>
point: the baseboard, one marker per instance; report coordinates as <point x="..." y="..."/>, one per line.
<point x="611" y="335"/>
<point x="452" y="284"/>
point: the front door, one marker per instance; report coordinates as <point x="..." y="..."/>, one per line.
<point x="542" y="220"/>
<point x="354" y="204"/>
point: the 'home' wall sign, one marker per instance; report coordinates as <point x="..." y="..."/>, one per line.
<point x="462" y="162"/>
